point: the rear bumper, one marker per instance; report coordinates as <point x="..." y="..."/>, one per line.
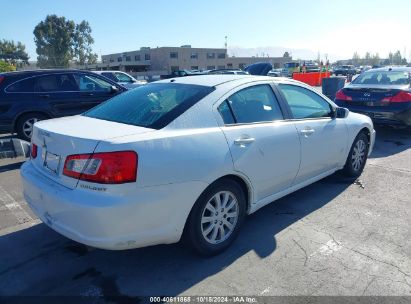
<point x="399" y="114"/>
<point x="152" y="215"/>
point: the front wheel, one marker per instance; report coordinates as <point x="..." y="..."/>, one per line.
<point x="357" y="157"/>
<point x="216" y="218"/>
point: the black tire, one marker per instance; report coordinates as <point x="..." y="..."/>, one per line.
<point x="22" y="133"/>
<point x="193" y="232"/>
<point x="353" y="168"/>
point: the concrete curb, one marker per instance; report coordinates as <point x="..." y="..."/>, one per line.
<point x="14" y="147"/>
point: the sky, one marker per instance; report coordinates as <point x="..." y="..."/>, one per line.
<point x="335" y="29"/>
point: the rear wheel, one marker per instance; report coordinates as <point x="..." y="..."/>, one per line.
<point x="357" y="157"/>
<point x="216" y="218"/>
<point x="24" y="125"/>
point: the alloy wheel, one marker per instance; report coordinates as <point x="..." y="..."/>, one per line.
<point x="28" y="126"/>
<point x="358" y="155"/>
<point x="219" y="217"/>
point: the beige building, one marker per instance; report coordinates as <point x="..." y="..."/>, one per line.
<point x="163" y="60"/>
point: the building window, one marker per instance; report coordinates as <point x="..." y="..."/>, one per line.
<point x="221" y="55"/>
<point x="119" y="59"/>
<point x="194" y="67"/>
<point x="128" y="58"/>
<point x="229" y="65"/>
<point x="242" y="65"/>
<point x="146" y="56"/>
<point x="211" y="67"/>
<point x="210" y="55"/>
<point x="194" y="56"/>
<point x="221" y="67"/>
<point x="137" y="57"/>
<point x="174" y="55"/>
<point x="111" y="59"/>
<point x="174" y="68"/>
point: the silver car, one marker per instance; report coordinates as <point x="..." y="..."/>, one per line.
<point x="122" y="78"/>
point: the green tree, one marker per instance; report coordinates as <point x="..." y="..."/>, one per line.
<point x="54" y="41"/>
<point x="13" y="53"/>
<point x="6" y="67"/>
<point x="391" y="57"/>
<point x="367" y="58"/>
<point x="375" y="59"/>
<point x="356" y="60"/>
<point x="60" y="41"/>
<point x="82" y="42"/>
<point x="397" y="58"/>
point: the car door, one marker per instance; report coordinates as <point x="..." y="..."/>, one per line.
<point x="264" y="146"/>
<point x="93" y="90"/>
<point x="323" y="137"/>
<point x="59" y="92"/>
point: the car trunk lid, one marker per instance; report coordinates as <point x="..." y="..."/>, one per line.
<point x="58" y="138"/>
<point x="376" y="95"/>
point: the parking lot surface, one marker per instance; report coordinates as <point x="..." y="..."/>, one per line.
<point x="334" y="237"/>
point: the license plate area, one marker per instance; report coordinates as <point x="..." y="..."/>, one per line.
<point x="52" y="162"/>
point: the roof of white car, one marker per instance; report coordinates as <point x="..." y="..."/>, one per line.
<point x="215" y="80"/>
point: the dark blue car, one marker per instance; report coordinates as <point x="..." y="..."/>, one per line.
<point x="384" y="94"/>
<point x="30" y="96"/>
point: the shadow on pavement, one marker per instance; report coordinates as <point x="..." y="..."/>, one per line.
<point x="12" y="166"/>
<point x="38" y="261"/>
<point x="390" y="141"/>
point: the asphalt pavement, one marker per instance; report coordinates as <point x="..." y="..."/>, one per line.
<point x="333" y="238"/>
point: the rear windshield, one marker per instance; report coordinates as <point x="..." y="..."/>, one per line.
<point x="383" y="77"/>
<point x="151" y="106"/>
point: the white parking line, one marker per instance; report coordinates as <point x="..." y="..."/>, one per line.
<point x="14" y="207"/>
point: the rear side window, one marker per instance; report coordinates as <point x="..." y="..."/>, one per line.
<point x="22" y="86"/>
<point x="45" y="83"/>
<point x="152" y="106"/>
<point x="304" y="103"/>
<point x="253" y="104"/>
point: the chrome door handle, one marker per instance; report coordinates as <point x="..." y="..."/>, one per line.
<point x="244" y="141"/>
<point x="307" y="131"/>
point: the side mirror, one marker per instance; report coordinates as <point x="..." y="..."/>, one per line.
<point x="341" y="112"/>
<point x="113" y="89"/>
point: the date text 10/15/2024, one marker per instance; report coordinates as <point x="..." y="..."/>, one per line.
<point x="204" y="299"/>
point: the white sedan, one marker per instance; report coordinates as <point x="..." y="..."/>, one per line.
<point x="187" y="158"/>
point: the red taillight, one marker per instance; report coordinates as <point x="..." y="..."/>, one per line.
<point x="340" y="95"/>
<point x="2" y="78"/>
<point x="33" y="150"/>
<point x="402" y="96"/>
<point x="103" y="168"/>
